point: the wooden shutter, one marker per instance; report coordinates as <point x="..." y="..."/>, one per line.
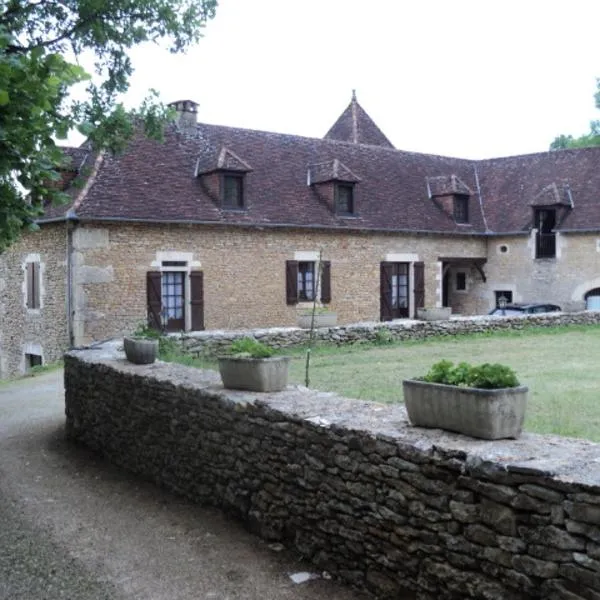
<point x="36" y="284"/>
<point x="385" y="287"/>
<point x="153" y="295"/>
<point x="419" y="284"/>
<point x="325" y="281"/>
<point x="197" y="300"/>
<point x="29" y="275"/>
<point x="291" y="281"/>
<point x="33" y="285"/>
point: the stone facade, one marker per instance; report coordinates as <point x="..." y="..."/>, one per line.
<point x="33" y="332"/>
<point x="562" y="280"/>
<point x="244" y="272"/>
<point x="350" y="485"/>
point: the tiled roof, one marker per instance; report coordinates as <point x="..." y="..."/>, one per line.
<point x="224" y="159"/>
<point x="394" y="190"/>
<point x="444" y="185"/>
<point x="332" y="170"/>
<point x="356" y="126"/>
<point x="511" y="186"/>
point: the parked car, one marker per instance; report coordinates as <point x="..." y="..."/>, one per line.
<point x="511" y="310"/>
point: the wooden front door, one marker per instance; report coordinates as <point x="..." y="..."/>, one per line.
<point x="394" y="291"/>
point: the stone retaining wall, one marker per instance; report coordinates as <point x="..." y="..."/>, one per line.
<point x="212" y="342"/>
<point x="351" y="485"/>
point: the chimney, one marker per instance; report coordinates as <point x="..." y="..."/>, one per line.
<point x="187" y="111"/>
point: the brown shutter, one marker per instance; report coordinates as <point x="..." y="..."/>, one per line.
<point x="197" y="300"/>
<point x="325" y="281"/>
<point x="291" y="281"/>
<point x="36" y="284"/>
<point x="385" y="287"/>
<point x="153" y="295"/>
<point x="419" y="284"/>
<point x="29" y="275"/>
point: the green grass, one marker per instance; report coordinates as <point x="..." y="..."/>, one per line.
<point x="559" y="365"/>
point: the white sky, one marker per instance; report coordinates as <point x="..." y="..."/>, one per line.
<point x="468" y="78"/>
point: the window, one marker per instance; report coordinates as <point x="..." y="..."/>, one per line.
<point x="175" y="298"/>
<point x="506" y="294"/>
<point x="306" y="281"/>
<point x="461" y="281"/>
<point x="545" y="239"/>
<point x="33" y="360"/>
<point x="302" y="283"/>
<point x="461" y="208"/>
<point x="32" y="273"/>
<point x="233" y="191"/>
<point x="344" y="199"/>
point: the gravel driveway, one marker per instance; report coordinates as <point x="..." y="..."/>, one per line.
<point x="75" y="527"/>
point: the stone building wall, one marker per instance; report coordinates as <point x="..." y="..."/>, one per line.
<point x="351" y="485"/>
<point x="24" y="331"/>
<point x="563" y="280"/>
<point x="244" y="272"/>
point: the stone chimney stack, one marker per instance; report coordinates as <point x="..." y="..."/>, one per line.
<point x="187" y="112"/>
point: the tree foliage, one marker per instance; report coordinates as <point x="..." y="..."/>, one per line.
<point x="40" y="43"/>
<point x="592" y="138"/>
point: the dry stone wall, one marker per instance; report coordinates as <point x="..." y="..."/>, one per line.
<point x="212" y="342"/>
<point x="384" y="506"/>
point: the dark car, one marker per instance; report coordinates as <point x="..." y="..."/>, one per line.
<point x="511" y="310"/>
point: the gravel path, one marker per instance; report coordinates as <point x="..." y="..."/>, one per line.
<point x="74" y="527"/>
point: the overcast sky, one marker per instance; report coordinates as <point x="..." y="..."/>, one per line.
<point x="468" y="78"/>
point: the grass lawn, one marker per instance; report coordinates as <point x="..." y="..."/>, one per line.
<point x="561" y="366"/>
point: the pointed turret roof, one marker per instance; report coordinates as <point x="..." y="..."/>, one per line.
<point x="356" y="126"/>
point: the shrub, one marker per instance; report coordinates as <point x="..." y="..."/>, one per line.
<point x="486" y="376"/>
<point x="251" y="348"/>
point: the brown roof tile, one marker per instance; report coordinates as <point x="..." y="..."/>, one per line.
<point x="156" y="181"/>
<point x="355" y="126"/>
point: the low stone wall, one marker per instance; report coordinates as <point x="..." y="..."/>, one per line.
<point x="351" y="485"/>
<point x="212" y="342"/>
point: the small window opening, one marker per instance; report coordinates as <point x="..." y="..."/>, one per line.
<point x="174" y="263"/>
<point x="507" y="296"/>
<point x="461" y="281"/>
<point x="33" y="360"/>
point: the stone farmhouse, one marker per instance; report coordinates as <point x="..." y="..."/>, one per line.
<point x="221" y="227"/>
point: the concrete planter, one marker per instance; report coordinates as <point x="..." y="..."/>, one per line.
<point x="326" y="319"/>
<point x="140" y="351"/>
<point x="486" y="414"/>
<point x="254" y="374"/>
<point x="435" y="313"/>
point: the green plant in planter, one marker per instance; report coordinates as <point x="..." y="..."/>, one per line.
<point x="484" y="401"/>
<point x="485" y="376"/>
<point x="248" y="347"/>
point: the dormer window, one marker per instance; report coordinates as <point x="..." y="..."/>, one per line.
<point x="344" y="199"/>
<point x="461" y="208"/>
<point x="232" y="190"/>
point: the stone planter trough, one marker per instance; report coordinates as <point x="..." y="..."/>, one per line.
<point x="480" y="413"/>
<point x="254" y="374"/>
<point x="324" y="319"/>
<point x="140" y="351"/>
<point x="434" y="313"/>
